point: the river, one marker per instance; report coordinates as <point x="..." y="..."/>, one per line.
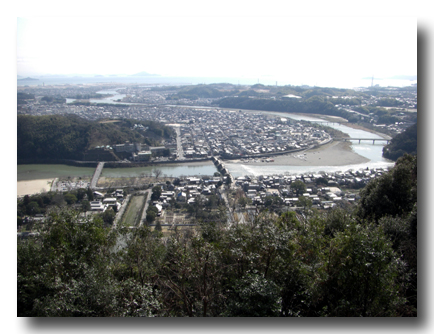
<point x="113" y="97"/>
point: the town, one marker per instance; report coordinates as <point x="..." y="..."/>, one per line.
<point x="203" y="131"/>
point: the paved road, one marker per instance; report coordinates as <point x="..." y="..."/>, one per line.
<point x="121" y="211"/>
<point x="179" y="144"/>
<point x="148" y="200"/>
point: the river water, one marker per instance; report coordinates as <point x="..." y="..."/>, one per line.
<point x="112" y="99"/>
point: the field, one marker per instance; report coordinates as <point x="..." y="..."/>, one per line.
<point x="134" y="210"/>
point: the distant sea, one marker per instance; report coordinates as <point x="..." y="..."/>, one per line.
<point x="178" y="81"/>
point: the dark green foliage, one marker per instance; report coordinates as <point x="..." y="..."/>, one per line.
<point x="314" y="104"/>
<point x="69" y="137"/>
<point x="299" y="187"/>
<point x="70" y="198"/>
<point x="156" y="193"/>
<point x="199" y="91"/>
<point x="108" y="216"/>
<point x="388" y="102"/>
<point x="392" y="194"/>
<point x="405" y="142"/>
<point x="358" y="274"/>
<point x="254" y="296"/>
<point x="53" y="99"/>
<point x="151" y="213"/>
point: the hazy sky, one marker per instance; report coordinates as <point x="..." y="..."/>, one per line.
<point x="219" y="46"/>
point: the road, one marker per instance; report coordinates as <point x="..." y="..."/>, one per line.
<point x="148" y="200"/>
<point x="179" y="143"/>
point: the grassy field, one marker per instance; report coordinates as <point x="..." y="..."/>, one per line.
<point x="134" y="211"/>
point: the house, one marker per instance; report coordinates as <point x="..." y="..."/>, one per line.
<point x="97" y="194"/>
<point x="97" y="206"/>
<point x="159" y="208"/>
<point x="111" y="201"/>
<point x="182" y="197"/>
<point x="142" y="156"/>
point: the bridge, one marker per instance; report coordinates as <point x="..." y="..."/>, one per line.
<point x="96" y="175"/>
<point x="328" y="122"/>
<point x="360" y="139"/>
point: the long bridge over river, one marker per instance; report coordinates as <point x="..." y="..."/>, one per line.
<point x="360" y="139"/>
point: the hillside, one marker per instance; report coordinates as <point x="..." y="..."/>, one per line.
<point x="313" y="105"/>
<point x="69" y="137"/>
<point x="199" y="91"/>
<point x="405" y="142"/>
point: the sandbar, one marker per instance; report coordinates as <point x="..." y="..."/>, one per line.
<point x="31" y="187"/>
<point x="333" y="154"/>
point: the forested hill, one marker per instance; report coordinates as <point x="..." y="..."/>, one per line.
<point x="200" y="91"/>
<point x="69" y="136"/>
<point x="314" y="105"/>
<point x="405" y="142"/>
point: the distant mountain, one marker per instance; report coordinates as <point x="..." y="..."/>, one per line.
<point x="27" y="79"/>
<point x="144" y="74"/>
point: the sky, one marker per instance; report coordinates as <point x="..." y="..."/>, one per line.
<point x="301" y="47"/>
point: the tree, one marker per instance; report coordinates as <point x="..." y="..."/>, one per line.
<point x="357" y="276"/>
<point x="151" y="213"/>
<point x="85" y="205"/>
<point x="157" y="172"/>
<point x="321" y="181"/>
<point x="394" y="193"/>
<point x="156" y="193"/>
<point x="70" y="198"/>
<point x="108" y="216"/>
<point x="255" y="296"/>
<point x="150" y="216"/>
<point x="271" y="200"/>
<point x="158" y="226"/>
<point x="32" y="208"/>
<point x="63" y="272"/>
<point x="243" y="201"/>
<point x="298" y="186"/>
<point x="405" y="142"/>
<point x="89" y="193"/>
<point x="305" y="202"/>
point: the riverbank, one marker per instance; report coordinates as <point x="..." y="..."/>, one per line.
<point x="332" y="154"/>
<point x="30" y="187"/>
